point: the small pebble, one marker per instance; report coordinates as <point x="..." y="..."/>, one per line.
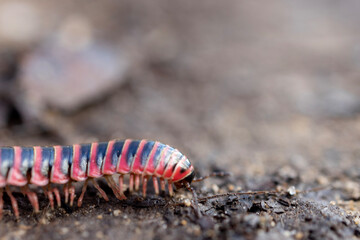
<point x="183" y="222"/>
<point x="210" y="233"/>
<point x="99" y="216"/>
<point x="291" y="190"/>
<point x="279" y="188"/>
<point x="262" y="222"/>
<point x="44" y="221"/>
<point x="287" y="234"/>
<point x="117" y="212"/>
<point x="357" y="220"/>
<point x="187" y="202"/>
<point x="299" y="235"/>
<point x="215" y="188"/>
<point x="100" y="235"/>
<point x="64" y="231"/>
<point x="197" y="231"/>
<point x="231" y="187"/>
<point x="287" y="172"/>
<point x="322" y="180"/>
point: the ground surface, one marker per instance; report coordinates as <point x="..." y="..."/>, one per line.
<point x="268" y="93"/>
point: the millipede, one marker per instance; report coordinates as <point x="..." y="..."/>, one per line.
<point x="142" y="160"/>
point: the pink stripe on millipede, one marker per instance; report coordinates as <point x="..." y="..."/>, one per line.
<point x="122" y="166"/>
<point x="108" y="168"/>
<point x="161" y="165"/>
<point x="2" y="178"/>
<point x="93" y="169"/>
<point x="56" y="174"/>
<point x="150" y="168"/>
<point x="135" y="168"/>
<point x="76" y="173"/>
<point x="15" y="177"/>
<point x="37" y="177"/>
<point x="168" y="171"/>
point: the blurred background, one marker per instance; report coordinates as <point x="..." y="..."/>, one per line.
<point x="244" y="86"/>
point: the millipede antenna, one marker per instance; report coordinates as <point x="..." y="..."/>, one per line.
<point x="195" y="204"/>
<point x="203" y="199"/>
<point x="214" y="174"/>
<point x="274" y="192"/>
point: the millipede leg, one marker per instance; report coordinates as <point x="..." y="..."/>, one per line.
<point x="1" y="202"/>
<point x="103" y="194"/>
<point x="144" y="185"/>
<point x="137" y="182"/>
<point x="121" y="186"/>
<point x="131" y="183"/>
<point x="50" y="197"/>
<point x="121" y="194"/>
<point x="51" y="192"/>
<point x="72" y="194"/>
<point x="156" y="185"/>
<point x="113" y="187"/>
<point x="33" y="199"/>
<point x="13" y="202"/>
<point x="171" y="191"/>
<point x="66" y="192"/>
<point x="80" y="200"/>
<point x="57" y="196"/>
<point x="162" y="184"/>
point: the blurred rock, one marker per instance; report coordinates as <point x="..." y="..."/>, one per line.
<point x="353" y="189"/>
<point x="322" y="95"/>
<point x="22" y="29"/>
<point x="252" y="220"/>
<point x="271" y="235"/>
<point x="76" y="33"/>
<point x="8" y="65"/>
<point x="66" y="76"/>
<point x="3" y="113"/>
<point x="287" y="173"/>
<point x="10" y="112"/>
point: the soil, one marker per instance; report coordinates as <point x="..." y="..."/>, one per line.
<point x="269" y="95"/>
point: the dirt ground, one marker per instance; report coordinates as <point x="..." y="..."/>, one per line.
<point x="268" y="93"/>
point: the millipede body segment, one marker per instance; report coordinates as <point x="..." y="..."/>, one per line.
<point x="42" y="166"/>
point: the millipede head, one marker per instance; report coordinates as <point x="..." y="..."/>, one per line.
<point x="183" y="172"/>
<point x="187" y="180"/>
